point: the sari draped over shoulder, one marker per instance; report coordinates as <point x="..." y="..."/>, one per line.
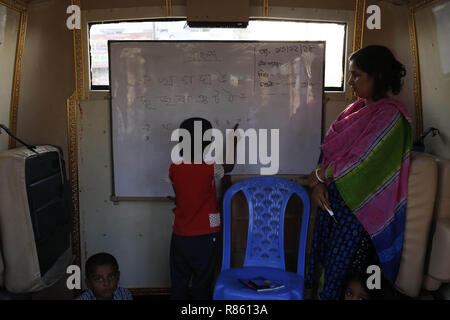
<point x="366" y="153"/>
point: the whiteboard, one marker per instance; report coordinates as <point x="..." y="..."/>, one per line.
<point x="155" y="85"/>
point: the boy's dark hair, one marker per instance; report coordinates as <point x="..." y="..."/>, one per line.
<point x="385" y="292"/>
<point x="100" y="259"/>
<point x="361" y="277"/>
<point x="381" y="65"/>
<point x="188" y="124"/>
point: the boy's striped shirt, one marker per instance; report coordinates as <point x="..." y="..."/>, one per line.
<point x="119" y="294"/>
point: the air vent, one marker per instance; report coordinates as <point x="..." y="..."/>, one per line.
<point x="218" y="13"/>
<point x="217" y="24"/>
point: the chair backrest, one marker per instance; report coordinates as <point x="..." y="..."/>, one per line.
<point x="267" y="198"/>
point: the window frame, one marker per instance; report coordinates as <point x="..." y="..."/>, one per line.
<point x="106" y="88"/>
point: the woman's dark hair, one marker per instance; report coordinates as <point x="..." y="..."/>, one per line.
<point x="188" y="124"/>
<point x="381" y="65"/>
<point x="100" y="259"/>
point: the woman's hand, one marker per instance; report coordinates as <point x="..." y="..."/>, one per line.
<point x="312" y="178"/>
<point x="319" y="194"/>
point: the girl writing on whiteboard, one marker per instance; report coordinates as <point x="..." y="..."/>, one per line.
<point x="362" y="178"/>
<point x="194" y="245"/>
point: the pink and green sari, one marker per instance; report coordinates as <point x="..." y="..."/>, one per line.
<point x="366" y="153"/>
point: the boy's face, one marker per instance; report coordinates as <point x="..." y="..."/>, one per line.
<point x="103" y="281"/>
<point x="355" y="291"/>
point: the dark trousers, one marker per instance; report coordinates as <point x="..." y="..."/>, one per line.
<point x="196" y="257"/>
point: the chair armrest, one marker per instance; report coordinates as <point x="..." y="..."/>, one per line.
<point x="439" y="261"/>
<point x="422" y="184"/>
<point x="442" y="209"/>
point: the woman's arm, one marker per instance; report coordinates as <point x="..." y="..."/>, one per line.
<point x="319" y="191"/>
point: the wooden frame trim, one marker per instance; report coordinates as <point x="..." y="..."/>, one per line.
<point x="265" y="8"/>
<point x="78" y="56"/>
<point x="72" y="138"/>
<point x="72" y="142"/>
<point x="358" y="35"/>
<point x="169" y="11"/>
<point x="415" y="64"/>
<point x="358" y="30"/>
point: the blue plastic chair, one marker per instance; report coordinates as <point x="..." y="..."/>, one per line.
<point x="267" y="198"/>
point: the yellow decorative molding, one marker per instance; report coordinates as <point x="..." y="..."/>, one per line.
<point x="78" y="55"/>
<point x="418" y="118"/>
<point x="72" y="144"/>
<point x="72" y="137"/>
<point x="265" y="8"/>
<point x="358" y="33"/>
<point x="358" y="29"/>
<point x="418" y="113"/>
<point x="168" y="8"/>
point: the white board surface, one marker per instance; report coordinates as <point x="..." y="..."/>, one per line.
<point x="155" y="85"/>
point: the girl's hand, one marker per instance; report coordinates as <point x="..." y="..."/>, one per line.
<point x="319" y="194"/>
<point x="173" y="199"/>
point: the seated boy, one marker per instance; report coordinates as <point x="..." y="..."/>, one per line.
<point x="102" y="277"/>
<point x="355" y="287"/>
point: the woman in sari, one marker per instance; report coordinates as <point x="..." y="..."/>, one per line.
<point x="362" y="177"/>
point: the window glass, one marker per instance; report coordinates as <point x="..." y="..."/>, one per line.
<point x="259" y="30"/>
